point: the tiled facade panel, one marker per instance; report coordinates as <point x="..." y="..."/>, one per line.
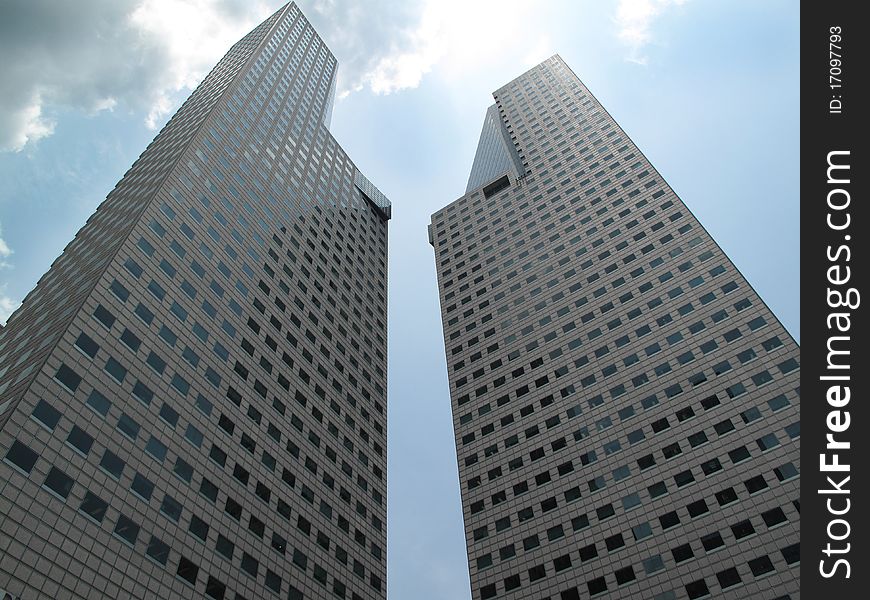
<point x="212" y="420"/>
<point x="626" y="407"/>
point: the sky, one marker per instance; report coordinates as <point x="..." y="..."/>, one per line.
<point x="708" y="89"/>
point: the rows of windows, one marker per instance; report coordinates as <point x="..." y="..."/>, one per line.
<point x="336" y="241"/>
<point x="638" y="380"/>
<point x="760" y="566"/>
<point x="582" y="434"/>
<point x="125" y="528"/>
<point x="591" y="249"/>
<point x="219" y="456"/>
<point x="535" y="543"/>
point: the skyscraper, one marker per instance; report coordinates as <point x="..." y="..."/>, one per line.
<point x="626" y="407"/>
<point x="193" y="398"/>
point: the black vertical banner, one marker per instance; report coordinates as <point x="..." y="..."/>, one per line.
<point x="835" y="420"/>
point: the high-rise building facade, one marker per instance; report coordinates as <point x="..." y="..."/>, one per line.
<point x="193" y="398"/>
<point x="626" y="407"/>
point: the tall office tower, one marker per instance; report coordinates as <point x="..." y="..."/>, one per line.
<point x="625" y="405"/>
<point x="193" y="397"/>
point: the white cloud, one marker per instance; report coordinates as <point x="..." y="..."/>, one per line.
<point x="5" y="252"/>
<point x="193" y="35"/>
<point x="403" y="47"/>
<point x="96" y="55"/>
<point x="140" y="56"/>
<point x="7" y="306"/>
<point x="634" y="20"/>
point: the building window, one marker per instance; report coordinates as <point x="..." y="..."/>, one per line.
<point x="59" y="482"/>
<point x="21" y="456"/>
<point x="127" y="530"/>
<point x="46" y="414"/>
<point x="187" y="570"/>
<point x="157" y="550"/>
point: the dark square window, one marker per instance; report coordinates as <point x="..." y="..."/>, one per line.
<point x="131" y="340"/>
<point x="249" y="564"/>
<point x="115" y="369"/>
<point x="126" y="529"/>
<point x="225" y="547"/>
<point x="218" y="455"/>
<point x="273" y="582"/>
<point x="169" y="414"/>
<point x="156" y="448"/>
<point x="157" y="550"/>
<point x="739" y="454"/>
<point x="187" y="570"/>
<point x="198" y="527"/>
<point x="588" y="552"/>
<point x="645" y="462"/>
<point x="87" y="345"/>
<point x="726" y="496"/>
<point x="657" y="489"/>
<point x="625" y="575"/>
<point x="256" y="526"/>
<point x="614" y="542"/>
<point x="684" y="478"/>
<point x="697" y="508"/>
<point x="46" y="414"/>
<point x="300" y="559"/>
<point x="580" y="522"/>
<point x="142" y="486"/>
<point x="104" y="316"/>
<point x="712" y="541"/>
<point x="792" y="554"/>
<point x="786" y="471"/>
<point x="183" y="470"/>
<point x="128" y="426"/>
<point x="728" y="578"/>
<point x="21" y="456"/>
<point x="742" y="529"/>
<point x="761" y="565"/>
<point x="669" y="520"/>
<point x="697" y="589"/>
<point x="112" y="463"/>
<point x="99" y="403"/>
<point x="597" y="586"/>
<point x="653" y="564"/>
<point x="537" y="572"/>
<point x="774" y="517"/>
<point x="682" y="553"/>
<point x="711" y="466"/>
<point x="215" y="589"/>
<point x="555" y="532"/>
<point x="233" y="508"/>
<point x="69" y="378"/>
<point x="143" y="393"/>
<point x="94" y="506"/>
<point x="605" y="512"/>
<point x="755" y="484"/>
<point x="279" y="543"/>
<point x="171" y="508"/>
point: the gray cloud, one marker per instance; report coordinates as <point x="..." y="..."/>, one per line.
<point x="136" y="55"/>
<point x="93" y="55"/>
<point x="362" y="34"/>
